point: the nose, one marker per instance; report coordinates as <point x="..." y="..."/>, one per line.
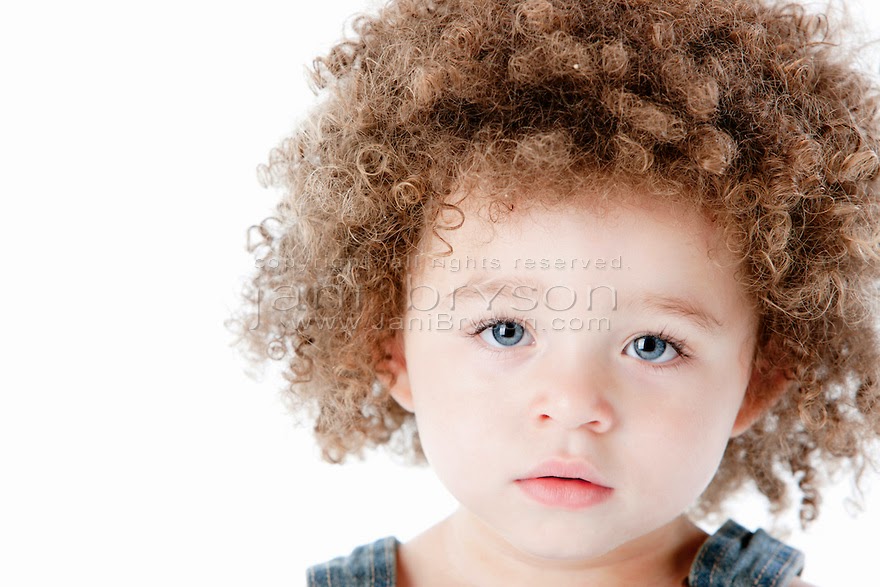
<point x="576" y="395"/>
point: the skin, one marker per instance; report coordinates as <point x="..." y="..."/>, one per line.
<point x="652" y="427"/>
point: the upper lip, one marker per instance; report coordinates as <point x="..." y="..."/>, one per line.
<point x="566" y="468"/>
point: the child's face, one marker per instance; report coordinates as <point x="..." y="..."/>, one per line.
<point x="583" y="370"/>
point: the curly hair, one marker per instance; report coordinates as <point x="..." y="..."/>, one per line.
<point x="749" y="108"/>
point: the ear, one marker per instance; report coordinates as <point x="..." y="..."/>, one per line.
<point x="393" y="374"/>
<point x="766" y="388"/>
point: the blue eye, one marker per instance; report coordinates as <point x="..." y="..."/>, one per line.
<point x="652" y="348"/>
<point x="503" y="333"/>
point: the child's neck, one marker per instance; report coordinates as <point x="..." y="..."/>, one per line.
<point x="460" y="551"/>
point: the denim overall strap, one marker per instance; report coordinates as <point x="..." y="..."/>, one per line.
<point x="371" y="565"/>
<point x="735" y="557"/>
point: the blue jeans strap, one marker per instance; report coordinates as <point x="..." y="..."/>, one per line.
<point x="735" y="557"/>
<point x="370" y="565"/>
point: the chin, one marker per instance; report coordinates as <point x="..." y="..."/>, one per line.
<point x="563" y="546"/>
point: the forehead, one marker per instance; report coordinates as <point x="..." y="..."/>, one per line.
<point x="486" y="218"/>
<point x="645" y="249"/>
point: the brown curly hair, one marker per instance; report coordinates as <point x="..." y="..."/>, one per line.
<point x="749" y="108"/>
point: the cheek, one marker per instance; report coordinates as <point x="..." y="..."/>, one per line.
<point x="679" y="448"/>
<point x="457" y="440"/>
<point x="448" y="405"/>
<point x="464" y="422"/>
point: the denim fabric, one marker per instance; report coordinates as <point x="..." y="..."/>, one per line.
<point x="370" y="565"/>
<point x="732" y="557"/>
<point x="735" y="557"/>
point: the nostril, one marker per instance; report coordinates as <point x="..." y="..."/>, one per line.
<point x="596" y="424"/>
<point x="590" y="412"/>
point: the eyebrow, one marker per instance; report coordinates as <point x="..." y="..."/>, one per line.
<point x="488" y="289"/>
<point x="681" y="307"/>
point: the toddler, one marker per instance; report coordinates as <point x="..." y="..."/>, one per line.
<point x="600" y="263"/>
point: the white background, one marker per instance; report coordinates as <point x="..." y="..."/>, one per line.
<point x="133" y="449"/>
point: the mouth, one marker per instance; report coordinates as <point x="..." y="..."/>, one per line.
<point x="560" y="479"/>
<point x="566" y="469"/>
<point x="565" y="484"/>
<point x="571" y="493"/>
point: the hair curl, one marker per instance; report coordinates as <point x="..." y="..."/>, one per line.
<point x="748" y="108"/>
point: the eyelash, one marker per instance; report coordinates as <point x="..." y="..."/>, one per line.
<point x="478" y="327"/>
<point x="677" y="344"/>
<point x="484" y="323"/>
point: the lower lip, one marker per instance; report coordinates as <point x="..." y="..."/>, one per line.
<point x="573" y="494"/>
